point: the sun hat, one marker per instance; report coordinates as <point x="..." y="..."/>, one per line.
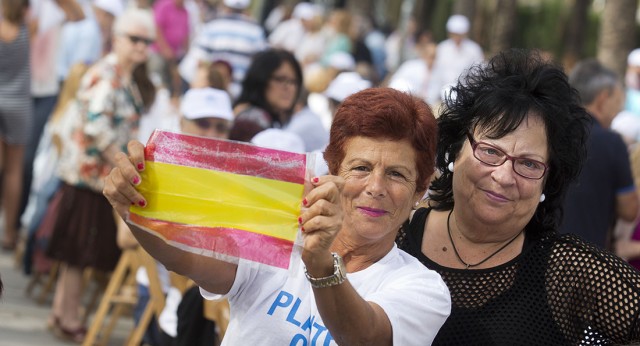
<point x="458" y="24"/>
<point x="345" y="85"/>
<point x="206" y="103"/>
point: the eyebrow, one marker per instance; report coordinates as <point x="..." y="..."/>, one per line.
<point x="534" y="156"/>
<point x="396" y="166"/>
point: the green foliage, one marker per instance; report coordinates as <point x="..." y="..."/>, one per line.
<point x="542" y="26"/>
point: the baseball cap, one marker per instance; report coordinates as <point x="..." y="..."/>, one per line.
<point x="342" y="61"/>
<point x="458" y="24"/>
<point x="305" y="10"/>
<point x="237" y="4"/>
<point x="206" y="103"/>
<point x="279" y="139"/>
<point x="345" y="85"/>
<point x="634" y="57"/>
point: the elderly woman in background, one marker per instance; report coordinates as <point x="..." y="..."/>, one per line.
<point x="355" y="286"/>
<point x="511" y="140"/>
<point x="112" y="96"/>
<point x="269" y="93"/>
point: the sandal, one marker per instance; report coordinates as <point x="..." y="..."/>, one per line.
<point x="76" y="335"/>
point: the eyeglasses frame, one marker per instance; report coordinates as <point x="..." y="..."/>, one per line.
<point x="474" y="145"/>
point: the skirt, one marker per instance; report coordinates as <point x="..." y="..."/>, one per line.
<point x="84" y="233"/>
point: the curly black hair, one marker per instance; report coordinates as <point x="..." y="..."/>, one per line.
<point x="497" y="97"/>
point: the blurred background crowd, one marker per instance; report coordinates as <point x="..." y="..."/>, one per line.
<point x="80" y="78"/>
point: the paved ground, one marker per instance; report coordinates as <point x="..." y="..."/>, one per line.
<point x="23" y="321"/>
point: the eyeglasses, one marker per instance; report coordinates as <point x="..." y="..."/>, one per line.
<point x="282" y="80"/>
<point x="492" y="156"/>
<point x="137" y="39"/>
<point x="205" y="124"/>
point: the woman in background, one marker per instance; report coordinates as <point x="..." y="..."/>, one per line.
<point x="269" y="93"/>
<point x="113" y="95"/>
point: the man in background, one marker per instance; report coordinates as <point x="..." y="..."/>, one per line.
<point x="605" y="189"/>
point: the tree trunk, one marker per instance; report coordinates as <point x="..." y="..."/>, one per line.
<point x="617" y="34"/>
<point x="575" y="34"/>
<point x="467" y="8"/>
<point x="504" y="26"/>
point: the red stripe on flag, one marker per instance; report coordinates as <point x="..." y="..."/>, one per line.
<point x="225" y="156"/>
<point x="227" y="241"/>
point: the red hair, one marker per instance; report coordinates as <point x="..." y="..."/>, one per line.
<point x="384" y="113"/>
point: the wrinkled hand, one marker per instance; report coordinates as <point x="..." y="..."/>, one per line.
<point x="322" y="217"/>
<point x="120" y="184"/>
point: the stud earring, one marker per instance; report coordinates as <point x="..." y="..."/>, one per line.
<point x="542" y="198"/>
<point x="450" y="167"/>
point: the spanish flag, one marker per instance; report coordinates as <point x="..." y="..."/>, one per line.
<point x="220" y="198"/>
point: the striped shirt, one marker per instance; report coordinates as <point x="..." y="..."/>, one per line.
<point x="234" y="38"/>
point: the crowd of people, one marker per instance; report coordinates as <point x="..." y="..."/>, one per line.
<point x="456" y="199"/>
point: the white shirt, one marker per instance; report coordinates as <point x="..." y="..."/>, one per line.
<point x="279" y="308"/>
<point x="451" y="62"/>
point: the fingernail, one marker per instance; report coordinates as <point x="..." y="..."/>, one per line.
<point x="302" y="228"/>
<point x="136" y="180"/>
<point x="304" y="202"/>
<point x="133" y="203"/>
<point x="140" y="166"/>
<point x="315" y="180"/>
<point x="142" y="203"/>
<point x="300" y="220"/>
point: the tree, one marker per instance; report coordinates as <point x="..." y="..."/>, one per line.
<point x="617" y="33"/>
<point x="504" y="26"/>
<point x="576" y="33"/>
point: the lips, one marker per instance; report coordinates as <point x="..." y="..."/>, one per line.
<point x="372" y="212"/>
<point x="496" y="196"/>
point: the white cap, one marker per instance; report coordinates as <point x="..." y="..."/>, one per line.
<point x="634" y="57"/>
<point x="305" y="10"/>
<point x="113" y="7"/>
<point x="237" y="4"/>
<point x="279" y="139"/>
<point x="342" y="61"/>
<point x="458" y="24"/>
<point x="206" y="103"/>
<point x="345" y="85"/>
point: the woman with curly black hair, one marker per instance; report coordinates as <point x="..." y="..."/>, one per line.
<point x="512" y="136"/>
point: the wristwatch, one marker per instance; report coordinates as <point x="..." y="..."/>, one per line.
<point x="338" y="277"/>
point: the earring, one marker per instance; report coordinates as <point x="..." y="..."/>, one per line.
<point x="542" y="198"/>
<point x="450" y="167"/>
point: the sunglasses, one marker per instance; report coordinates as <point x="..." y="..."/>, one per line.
<point x="219" y="126"/>
<point x="137" y="39"/>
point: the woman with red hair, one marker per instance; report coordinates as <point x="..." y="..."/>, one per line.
<point x="354" y="287"/>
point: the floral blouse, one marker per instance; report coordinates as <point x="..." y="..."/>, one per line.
<point x="105" y="112"/>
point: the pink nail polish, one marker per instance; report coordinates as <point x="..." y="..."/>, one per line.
<point x="300" y="220"/>
<point x="136" y="180"/>
<point x="315" y="180"/>
<point x="142" y="203"/>
<point x="302" y="228"/>
<point x="140" y="166"/>
<point x="304" y="202"/>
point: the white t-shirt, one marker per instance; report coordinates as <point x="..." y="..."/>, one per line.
<point x="278" y="308"/>
<point x="451" y="62"/>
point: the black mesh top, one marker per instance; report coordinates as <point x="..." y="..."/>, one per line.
<point x="558" y="291"/>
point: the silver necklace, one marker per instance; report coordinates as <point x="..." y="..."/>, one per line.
<point x="455" y="250"/>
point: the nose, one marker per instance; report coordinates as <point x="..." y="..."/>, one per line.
<point x="504" y="174"/>
<point x="376" y="185"/>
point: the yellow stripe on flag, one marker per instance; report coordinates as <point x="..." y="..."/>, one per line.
<point x="209" y="198"/>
